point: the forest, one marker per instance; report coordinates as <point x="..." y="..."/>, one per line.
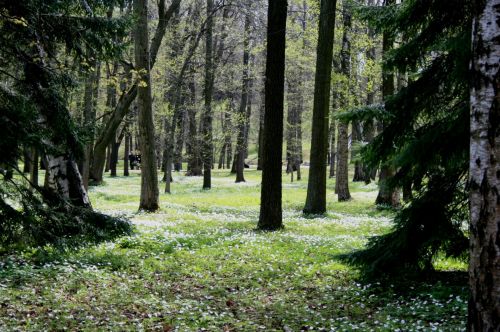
<point x="250" y="165"/>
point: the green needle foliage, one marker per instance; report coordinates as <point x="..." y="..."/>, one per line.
<point x="44" y="45"/>
<point x="425" y="136"/>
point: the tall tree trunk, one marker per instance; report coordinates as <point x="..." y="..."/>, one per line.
<point x="316" y="186"/>
<point x="91" y="92"/>
<point x="342" y="179"/>
<point x="369" y="131"/>
<point x="114" y="158"/>
<point x="179" y="138"/>
<point x="149" y="178"/>
<point x="168" y="154"/>
<point x="123" y="104"/>
<point x="195" y="162"/>
<point x="228" y="137"/>
<point x="484" y="182"/>
<point x="290" y="128"/>
<point x="114" y="151"/>
<point x="299" y="158"/>
<point x="357" y="137"/>
<point x="126" y="153"/>
<point x="220" y="93"/>
<point x="369" y="125"/>
<point x="108" y="158"/>
<point x="407" y="186"/>
<point x="110" y="104"/>
<point x="270" y="217"/>
<point x="248" y="115"/>
<point x="34" y="167"/>
<point x="293" y="126"/>
<point x="333" y="148"/>
<point x="295" y="104"/>
<point x="207" y="112"/>
<point x="262" y="110"/>
<point x="242" y="115"/>
<point x="222" y="155"/>
<point x="387" y="195"/>
<point x="342" y="183"/>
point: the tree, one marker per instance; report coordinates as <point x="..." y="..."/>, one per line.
<point x="207" y="148"/>
<point x="425" y="136"/>
<point x="332" y="146"/>
<point x="387" y="194"/>
<point x="342" y="181"/>
<point x="35" y="114"/>
<point x="107" y="135"/>
<point x="316" y="186"/>
<point x="295" y="78"/>
<point x="126" y="153"/>
<point x="89" y="118"/>
<point x="270" y="217"/>
<point x="484" y="181"/>
<point x="242" y="115"/>
<point x="195" y="164"/>
<point x="357" y="138"/>
<point x="369" y="125"/>
<point x="149" y="176"/>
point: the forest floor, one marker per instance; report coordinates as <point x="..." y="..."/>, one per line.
<point x="199" y="265"/>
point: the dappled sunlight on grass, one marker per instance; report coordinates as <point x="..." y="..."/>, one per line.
<point x="200" y="264"/>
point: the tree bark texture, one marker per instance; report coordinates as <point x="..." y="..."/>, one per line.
<point x="333" y="147"/>
<point x="293" y="128"/>
<point x="89" y="117"/>
<point x="126" y="153"/>
<point x="149" y="178"/>
<point x="316" y="187"/>
<point x="242" y="114"/>
<point x="262" y="110"/>
<point x="207" y="152"/>
<point x="357" y="137"/>
<point x="369" y="125"/>
<point x="342" y="180"/>
<point x="387" y="195"/>
<point x="64" y="179"/>
<point x="195" y="164"/>
<point x="271" y="217"/>
<point x="484" y="266"/>
<point x="168" y="154"/>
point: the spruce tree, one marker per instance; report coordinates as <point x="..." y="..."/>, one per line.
<point x="38" y="38"/>
<point x="425" y="135"/>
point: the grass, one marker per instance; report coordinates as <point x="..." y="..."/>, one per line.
<point x="199" y="265"/>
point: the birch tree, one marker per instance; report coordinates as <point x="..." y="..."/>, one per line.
<point x="484" y="268"/>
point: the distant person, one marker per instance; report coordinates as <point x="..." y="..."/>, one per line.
<point x="134" y="160"/>
<point x="131" y="160"/>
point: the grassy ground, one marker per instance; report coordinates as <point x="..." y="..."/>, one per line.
<point x="199" y="265"/>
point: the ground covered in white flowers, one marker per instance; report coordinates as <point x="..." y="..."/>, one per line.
<point x="199" y="265"/>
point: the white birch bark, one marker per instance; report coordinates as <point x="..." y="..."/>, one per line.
<point x="65" y="180"/>
<point x="484" y="268"/>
